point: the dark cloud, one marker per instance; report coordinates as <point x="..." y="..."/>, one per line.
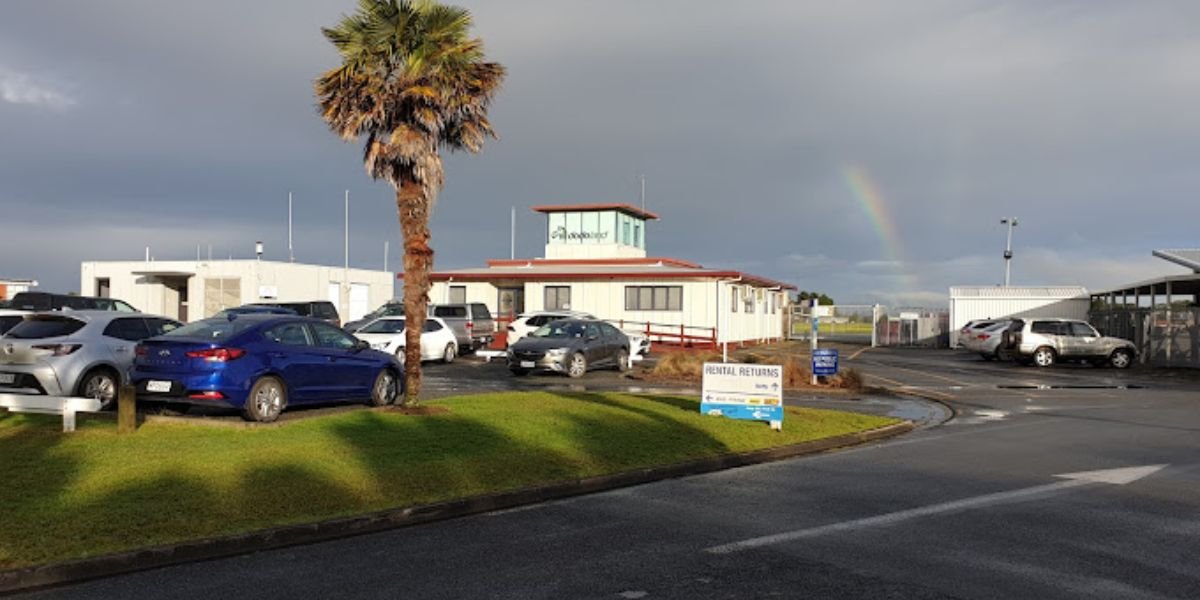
<point x="135" y="122"/>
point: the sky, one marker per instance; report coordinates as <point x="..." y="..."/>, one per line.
<point x="867" y="149"/>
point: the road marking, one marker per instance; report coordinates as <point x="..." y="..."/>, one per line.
<point x="904" y="386"/>
<point x="1121" y="476"/>
<point x="923" y="373"/>
<point x="855" y="355"/>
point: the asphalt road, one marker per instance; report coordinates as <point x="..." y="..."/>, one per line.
<point x="973" y="508"/>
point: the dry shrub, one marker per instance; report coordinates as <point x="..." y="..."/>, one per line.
<point x="751" y="358"/>
<point x="684" y="365"/>
<point x="796" y="372"/>
<point x="849" y="379"/>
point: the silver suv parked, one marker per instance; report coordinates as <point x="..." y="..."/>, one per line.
<point x="1043" y="342"/>
<point x="471" y="323"/>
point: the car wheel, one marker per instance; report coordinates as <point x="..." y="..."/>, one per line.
<point x="1121" y="359"/>
<point x="266" y="400"/>
<point x="987" y="356"/>
<point x="578" y="365"/>
<point x="1044" y="357"/>
<point x="622" y="360"/>
<point x="449" y="353"/>
<point x="384" y="392"/>
<point x="400" y="356"/>
<point x="519" y="372"/>
<point x="100" y="384"/>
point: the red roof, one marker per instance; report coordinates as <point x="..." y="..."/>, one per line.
<point x="565" y="262"/>
<point x="537" y="275"/>
<point x="628" y="209"/>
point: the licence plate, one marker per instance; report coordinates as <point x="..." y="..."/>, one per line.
<point x="158" y="386"/>
<point x="8" y="378"/>
<point x="528" y="364"/>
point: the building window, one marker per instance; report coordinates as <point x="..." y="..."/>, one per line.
<point x="748" y="298"/>
<point x="458" y="294"/>
<point x="733" y="303"/>
<point x="625" y="234"/>
<point x="657" y="297"/>
<point x="558" y="297"/>
<point x="637" y="235"/>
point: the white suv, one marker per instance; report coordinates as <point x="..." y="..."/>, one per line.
<point x="1043" y="342"/>
<point x="529" y="322"/>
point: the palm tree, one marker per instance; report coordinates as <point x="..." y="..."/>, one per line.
<point x="413" y="82"/>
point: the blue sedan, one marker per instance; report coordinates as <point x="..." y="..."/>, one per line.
<point x="262" y="363"/>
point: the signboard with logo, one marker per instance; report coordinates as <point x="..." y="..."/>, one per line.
<point x="825" y="362"/>
<point x="739" y="391"/>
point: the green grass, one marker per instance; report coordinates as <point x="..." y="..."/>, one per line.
<point x="93" y="492"/>
<point x="831" y="328"/>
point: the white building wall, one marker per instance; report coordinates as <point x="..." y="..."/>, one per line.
<point x="705" y="304"/>
<point x="971" y="303"/>
<point x="259" y="281"/>
<point x="763" y="324"/>
<point x="585" y="251"/>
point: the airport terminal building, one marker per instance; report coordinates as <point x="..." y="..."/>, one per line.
<point x="596" y="262"/>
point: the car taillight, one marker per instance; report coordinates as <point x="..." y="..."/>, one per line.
<point x="984" y="336"/>
<point x="58" y="349"/>
<point x="470" y="325"/>
<point x="139" y="350"/>
<point x="217" y="354"/>
<point x="207" y="396"/>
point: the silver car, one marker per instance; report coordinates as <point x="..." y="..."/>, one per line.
<point x="985" y="339"/>
<point x="1043" y="342"/>
<point x="75" y="353"/>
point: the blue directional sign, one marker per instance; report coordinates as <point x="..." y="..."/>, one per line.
<point x="739" y="391"/>
<point x="825" y="362"/>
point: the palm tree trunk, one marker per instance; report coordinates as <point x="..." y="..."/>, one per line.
<point x="413" y="205"/>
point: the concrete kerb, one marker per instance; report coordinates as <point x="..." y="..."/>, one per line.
<point x="54" y="574"/>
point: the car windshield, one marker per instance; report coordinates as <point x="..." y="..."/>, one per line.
<point x="559" y="329"/>
<point x="384" y="326"/>
<point x="998" y="326"/>
<point x="41" y="327"/>
<point x="211" y="329"/>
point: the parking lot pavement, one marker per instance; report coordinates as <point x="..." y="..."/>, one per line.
<point x="991" y="505"/>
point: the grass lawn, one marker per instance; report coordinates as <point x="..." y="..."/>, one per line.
<point x="93" y="492"/>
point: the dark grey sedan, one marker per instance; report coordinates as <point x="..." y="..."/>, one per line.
<point x="570" y="346"/>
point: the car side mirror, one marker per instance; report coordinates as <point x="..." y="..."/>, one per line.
<point x="361" y="345"/>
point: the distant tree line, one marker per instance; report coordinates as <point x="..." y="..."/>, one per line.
<point x="806" y="296"/>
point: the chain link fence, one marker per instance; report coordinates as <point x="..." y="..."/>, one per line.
<point x="872" y="325"/>
<point x="1165" y="337"/>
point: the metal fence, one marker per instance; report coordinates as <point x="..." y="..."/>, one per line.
<point x="1166" y="337"/>
<point x="872" y="325"/>
<point x="851" y="324"/>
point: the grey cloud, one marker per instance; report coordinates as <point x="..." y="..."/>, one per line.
<point x="1074" y="116"/>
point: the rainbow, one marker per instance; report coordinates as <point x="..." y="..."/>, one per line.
<point x="875" y="208"/>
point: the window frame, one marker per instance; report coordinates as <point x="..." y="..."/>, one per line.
<point x="557" y="292"/>
<point x="654" y="298"/>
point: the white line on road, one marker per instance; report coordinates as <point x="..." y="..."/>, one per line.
<point x="1120" y="476"/>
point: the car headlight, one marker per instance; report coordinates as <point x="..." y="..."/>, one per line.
<point x="380" y="346"/>
<point x="557" y="351"/>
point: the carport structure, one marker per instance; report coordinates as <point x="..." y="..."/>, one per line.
<point x="1161" y="316"/>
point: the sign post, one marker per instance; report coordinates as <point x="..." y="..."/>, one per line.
<point x="737" y="391"/>
<point x="815" y="318"/>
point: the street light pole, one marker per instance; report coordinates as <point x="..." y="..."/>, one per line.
<point x="1008" y="254"/>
